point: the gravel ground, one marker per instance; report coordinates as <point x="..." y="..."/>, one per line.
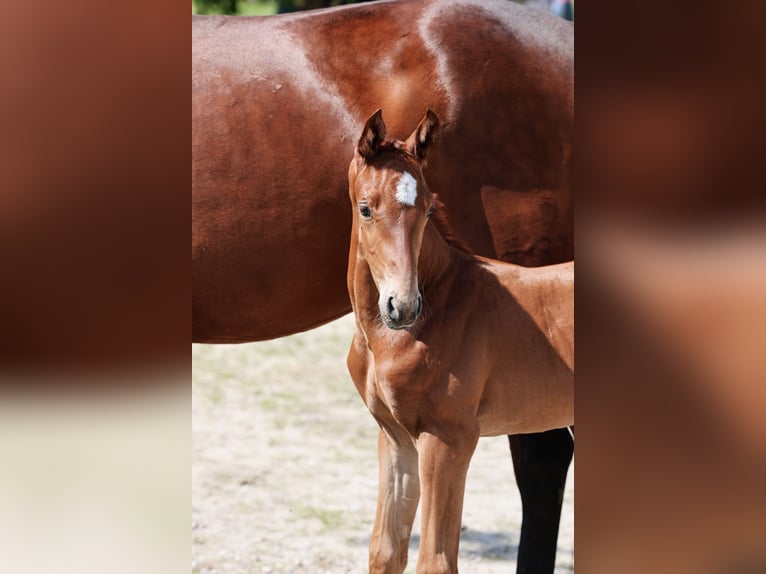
<point x="284" y="468"/>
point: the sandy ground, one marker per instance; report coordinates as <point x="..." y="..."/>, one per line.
<point x="284" y="468"/>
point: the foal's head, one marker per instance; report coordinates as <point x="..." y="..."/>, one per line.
<point x="391" y="203"/>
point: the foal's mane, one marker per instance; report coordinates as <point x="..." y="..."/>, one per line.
<point x="442" y="225"/>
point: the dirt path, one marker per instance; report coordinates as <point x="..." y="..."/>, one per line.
<point x="284" y="469"/>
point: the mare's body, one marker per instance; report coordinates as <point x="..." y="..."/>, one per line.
<point x="277" y="103"/>
<point x="448" y="347"/>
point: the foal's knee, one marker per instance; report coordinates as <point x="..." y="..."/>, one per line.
<point x="386" y="558"/>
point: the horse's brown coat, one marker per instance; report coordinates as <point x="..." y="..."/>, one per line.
<point x="491" y="353"/>
<point x="277" y="104"/>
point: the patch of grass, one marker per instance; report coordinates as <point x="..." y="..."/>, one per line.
<point x="270" y="405"/>
<point x="215" y="394"/>
<point x="249" y="8"/>
<point x="328" y="518"/>
<point x="257" y="8"/>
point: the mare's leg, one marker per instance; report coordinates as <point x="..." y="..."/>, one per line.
<point x="540" y="462"/>
<point x="443" y="469"/>
<point x="398" y="495"/>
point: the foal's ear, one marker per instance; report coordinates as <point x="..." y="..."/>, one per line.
<point x="422" y="139"/>
<point x="373" y="135"/>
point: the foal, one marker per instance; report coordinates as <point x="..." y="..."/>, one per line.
<point x="448" y="347"/>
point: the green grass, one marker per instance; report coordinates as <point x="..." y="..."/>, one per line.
<point x="328" y="518"/>
<point x="250" y="8"/>
<point x="257" y="8"/>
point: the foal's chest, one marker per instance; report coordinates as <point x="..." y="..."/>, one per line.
<point x="400" y="381"/>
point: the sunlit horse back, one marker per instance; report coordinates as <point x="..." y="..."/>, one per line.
<point x="448" y="346"/>
<point x="277" y="103"/>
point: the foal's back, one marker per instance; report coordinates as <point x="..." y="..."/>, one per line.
<point x="547" y="295"/>
<point x="530" y="333"/>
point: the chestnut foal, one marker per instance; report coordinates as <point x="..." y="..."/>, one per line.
<point x="448" y="347"/>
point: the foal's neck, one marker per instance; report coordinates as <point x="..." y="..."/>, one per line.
<point x="438" y="260"/>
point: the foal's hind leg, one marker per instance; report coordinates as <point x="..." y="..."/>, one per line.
<point x="398" y="495"/>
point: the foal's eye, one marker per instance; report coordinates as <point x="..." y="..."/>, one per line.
<point x="431" y="211"/>
<point x="365" y="211"/>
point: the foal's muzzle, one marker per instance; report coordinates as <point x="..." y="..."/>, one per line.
<point x="398" y="313"/>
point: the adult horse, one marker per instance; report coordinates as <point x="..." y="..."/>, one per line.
<point x="277" y="104"/>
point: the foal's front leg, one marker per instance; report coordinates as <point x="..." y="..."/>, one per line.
<point x="444" y="460"/>
<point x="398" y="495"/>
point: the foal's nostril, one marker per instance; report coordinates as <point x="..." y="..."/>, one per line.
<point x="419" y="308"/>
<point x="391" y="309"/>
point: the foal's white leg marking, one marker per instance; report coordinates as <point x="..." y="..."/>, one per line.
<point x="407" y="189"/>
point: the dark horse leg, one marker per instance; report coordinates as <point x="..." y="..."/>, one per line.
<point x="540" y="462"/>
